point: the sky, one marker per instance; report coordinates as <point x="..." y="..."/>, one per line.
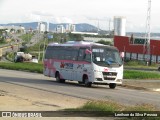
<point x="82" y="11"/>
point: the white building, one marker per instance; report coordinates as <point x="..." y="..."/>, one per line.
<point x="48" y="26"/>
<point x="119" y="26"/>
<point x="70" y="28"/>
<point x="42" y="27"/>
<point x="60" y="29"/>
<point x="65" y="28"/>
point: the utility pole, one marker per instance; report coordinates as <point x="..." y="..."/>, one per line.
<point x="44" y="46"/>
<point x="98" y="27"/>
<point x="147" y="33"/>
<point x="109" y="26"/>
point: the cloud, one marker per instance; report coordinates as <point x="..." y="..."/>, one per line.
<point x="99" y="18"/>
<point x="1" y="2"/>
<point x="66" y="20"/>
<point x="57" y="19"/>
<point x="42" y="13"/>
<point x="47" y="17"/>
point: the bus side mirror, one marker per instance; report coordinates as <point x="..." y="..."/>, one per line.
<point x="88" y="52"/>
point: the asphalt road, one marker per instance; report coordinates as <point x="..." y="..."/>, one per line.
<point x="73" y="89"/>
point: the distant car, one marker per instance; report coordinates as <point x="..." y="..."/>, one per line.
<point x="34" y="60"/>
<point x="18" y="59"/>
<point x="159" y="68"/>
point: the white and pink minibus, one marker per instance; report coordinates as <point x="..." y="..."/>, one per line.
<point x="85" y="62"/>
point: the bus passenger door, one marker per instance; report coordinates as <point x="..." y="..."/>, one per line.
<point x="84" y="57"/>
<point x="69" y="69"/>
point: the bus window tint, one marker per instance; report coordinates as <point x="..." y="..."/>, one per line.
<point x="55" y="54"/>
<point x="83" y="56"/>
<point x="48" y="54"/>
<point x="61" y="54"/>
<point x="87" y="57"/>
<point x="68" y="55"/>
<point x="74" y="54"/>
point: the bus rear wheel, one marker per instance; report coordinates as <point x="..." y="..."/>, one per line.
<point x="58" y="79"/>
<point x="112" y="85"/>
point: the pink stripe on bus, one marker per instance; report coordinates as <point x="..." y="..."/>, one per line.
<point x="71" y="61"/>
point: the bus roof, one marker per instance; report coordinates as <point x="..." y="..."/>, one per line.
<point x="80" y="43"/>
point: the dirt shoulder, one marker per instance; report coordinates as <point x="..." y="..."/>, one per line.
<point x="19" y="98"/>
<point x="152" y="85"/>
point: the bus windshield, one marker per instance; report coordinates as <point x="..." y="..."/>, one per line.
<point x="106" y="57"/>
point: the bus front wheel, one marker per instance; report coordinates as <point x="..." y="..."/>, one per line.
<point x="86" y="82"/>
<point x="58" y="79"/>
<point x="112" y="85"/>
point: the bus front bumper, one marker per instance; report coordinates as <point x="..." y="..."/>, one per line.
<point x="107" y="82"/>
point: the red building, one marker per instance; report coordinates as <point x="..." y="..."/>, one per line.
<point x="134" y="48"/>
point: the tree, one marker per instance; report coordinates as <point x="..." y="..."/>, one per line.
<point x="2" y="35"/>
<point x="2" y="39"/>
<point x="104" y="42"/>
<point x="12" y="30"/>
<point x="75" y="37"/>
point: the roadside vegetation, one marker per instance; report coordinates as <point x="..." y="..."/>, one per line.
<point x="105" y="42"/>
<point x="2" y="37"/>
<point x="26" y="37"/>
<point x="113" y="106"/>
<point x="10" y="56"/>
<point x="133" y="74"/>
<point x="139" y="64"/>
<point x="31" y="67"/>
<point x="104" y="108"/>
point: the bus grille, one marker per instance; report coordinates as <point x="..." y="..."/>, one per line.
<point x="109" y="75"/>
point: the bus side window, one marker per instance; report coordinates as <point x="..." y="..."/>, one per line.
<point x="61" y="54"/>
<point x="87" y="57"/>
<point x="81" y="54"/>
<point x="74" y="54"/>
<point x="67" y="55"/>
<point x="48" y="53"/>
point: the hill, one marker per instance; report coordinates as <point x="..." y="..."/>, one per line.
<point x="82" y="27"/>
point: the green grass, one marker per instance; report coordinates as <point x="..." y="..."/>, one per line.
<point x="100" y="106"/>
<point x="113" y="106"/>
<point x="104" y="108"/>
<point x="32" y="67"/>
<point x="131" y="74"/>
<point x="139" y="64"/>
